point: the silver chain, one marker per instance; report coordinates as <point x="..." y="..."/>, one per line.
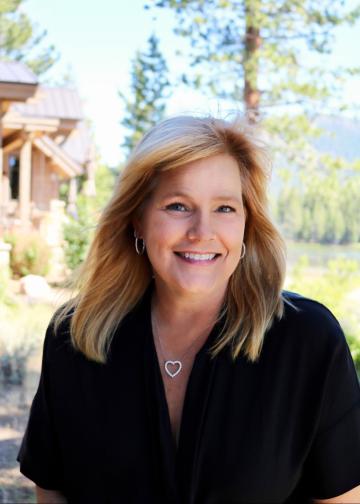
<point x="169" y="364"/>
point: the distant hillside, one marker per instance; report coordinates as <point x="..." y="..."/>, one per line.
<point x="341" y="137"/>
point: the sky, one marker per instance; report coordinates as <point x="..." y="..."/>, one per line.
<point x="97" y="42"/>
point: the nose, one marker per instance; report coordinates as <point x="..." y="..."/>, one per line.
<point x="201" y="228"/>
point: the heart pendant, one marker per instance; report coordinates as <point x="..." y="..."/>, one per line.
<point x="177" y="364"/>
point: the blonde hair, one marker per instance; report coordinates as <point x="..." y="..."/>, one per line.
<point x="113" y="278"/>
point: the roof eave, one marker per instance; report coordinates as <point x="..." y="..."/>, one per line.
<point x="68" y="166"/>
<point x="14" y="91"/>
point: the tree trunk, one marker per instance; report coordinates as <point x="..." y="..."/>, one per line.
<point x="251" y="66"/>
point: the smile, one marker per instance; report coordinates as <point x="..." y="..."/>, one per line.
<point x="196" y="257"/>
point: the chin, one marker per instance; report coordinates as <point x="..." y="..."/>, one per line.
<point x="196" y="288"/>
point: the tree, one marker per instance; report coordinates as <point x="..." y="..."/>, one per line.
<point x="79" y="231"/>
<point x="325" y="210"/>
<point x="149" y="88"/>
<point x="261" y="51"/>
<point x="21" y="40"/>
<point x="270" y="55"/>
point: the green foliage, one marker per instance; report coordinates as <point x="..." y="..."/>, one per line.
<point x="29" y="254"/>
<point x="4" y="286"/>
<point x="323" y="208"/>
<point x="105" y="181"/>
<point x="79" y="230"/>
<point x="149" y="90"/>
<point x="266" y="45"/>
<point x="20" y="39"/>
<point x="333" y="289"/>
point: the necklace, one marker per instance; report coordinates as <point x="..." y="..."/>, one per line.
<point x="172" y="367"/>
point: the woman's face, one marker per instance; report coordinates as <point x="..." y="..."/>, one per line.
<point x="193" y="227"/>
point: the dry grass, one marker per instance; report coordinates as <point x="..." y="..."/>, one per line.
<point x="22" y="331"/>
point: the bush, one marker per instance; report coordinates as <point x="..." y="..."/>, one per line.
<point x="79" y="230"/>
<point x="30" y="254"/>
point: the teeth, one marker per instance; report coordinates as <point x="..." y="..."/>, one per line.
<point x="199" y="257"/>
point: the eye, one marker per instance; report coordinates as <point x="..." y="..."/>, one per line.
<point x="177" y="207"/>
<point x="226" y="209"/>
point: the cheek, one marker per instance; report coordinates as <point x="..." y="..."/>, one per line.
<point x="233" y="237"/>
<point x="163" y="233"/>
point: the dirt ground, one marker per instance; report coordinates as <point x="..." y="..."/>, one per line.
<point x="15" y="402"/>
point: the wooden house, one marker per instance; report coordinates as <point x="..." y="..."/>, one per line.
<point x="44" y="141"/>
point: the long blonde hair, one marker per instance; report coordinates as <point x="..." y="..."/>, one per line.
<point x="113" y="278"/>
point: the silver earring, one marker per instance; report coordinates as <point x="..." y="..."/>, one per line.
<point x="139" y="249"/>
<point x="243" y="252"/>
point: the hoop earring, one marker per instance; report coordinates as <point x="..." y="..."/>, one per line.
<point x="139" y="250"/>
<point x="243" y="252"/>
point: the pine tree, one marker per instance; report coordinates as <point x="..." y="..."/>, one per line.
<point x="20" y="39"/>
<point x="261" y="52"/>
<point x="150" y="88"/>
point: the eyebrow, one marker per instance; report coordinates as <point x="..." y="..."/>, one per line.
<point x="222" y="197"/>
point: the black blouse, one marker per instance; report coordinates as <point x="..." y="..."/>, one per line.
<point x="283" y="429"/>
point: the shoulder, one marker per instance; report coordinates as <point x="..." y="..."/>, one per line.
<point x="59" y="340"/>
<point x="307" y="325"/>
<point x="309" y="314"/>
<point x="307" y="345"/>
<point x="58" y="332"/>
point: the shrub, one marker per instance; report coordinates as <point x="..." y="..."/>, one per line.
<point x="30" y="254"/>
<point x="78" y="232"/>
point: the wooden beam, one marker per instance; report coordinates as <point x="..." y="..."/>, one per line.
<point x="15" y="122"/>
<point x="25" y="182"/>
<point x="12" y="139"/>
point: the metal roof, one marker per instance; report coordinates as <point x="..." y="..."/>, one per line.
<point x="78" y="144"/>
<point x="55" y="103"/>
<point x="16" y="72"/>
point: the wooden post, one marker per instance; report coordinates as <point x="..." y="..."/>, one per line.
<point x="25" y="181"/>
<point x="72" y="195"/>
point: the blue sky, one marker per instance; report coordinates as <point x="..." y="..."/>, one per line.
<point x="97" y="41"/>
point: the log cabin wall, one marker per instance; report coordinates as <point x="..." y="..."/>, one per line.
<point x="45" y="182"/>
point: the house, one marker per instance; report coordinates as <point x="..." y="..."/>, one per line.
<point x="44" y="141"/>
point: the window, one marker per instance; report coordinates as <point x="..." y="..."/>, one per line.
<point x="14" y="176"/>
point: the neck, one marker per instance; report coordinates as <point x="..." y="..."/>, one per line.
<point x="186" y="315"/>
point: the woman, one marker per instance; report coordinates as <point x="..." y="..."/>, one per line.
<point x="181" y="373"/>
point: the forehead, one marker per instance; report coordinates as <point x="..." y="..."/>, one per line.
<point x="214" y="174"/>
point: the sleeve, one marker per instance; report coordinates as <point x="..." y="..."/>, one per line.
<point x="39" y="454"/>
<point x="333" y="466"/>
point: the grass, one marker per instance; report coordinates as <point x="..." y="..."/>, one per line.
<point x="320" y="254"/>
